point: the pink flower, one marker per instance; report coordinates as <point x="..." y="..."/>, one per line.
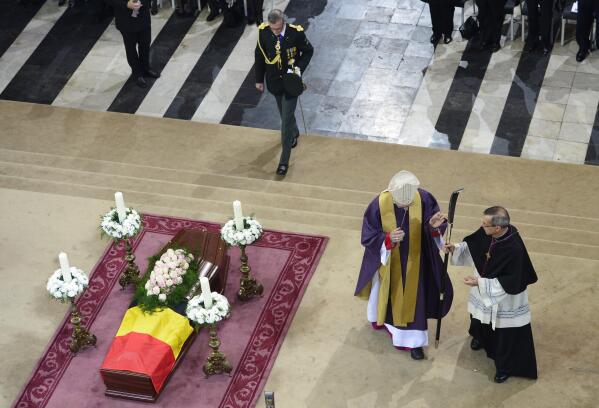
<point x="169" y="282"/>
<point x="155" y="290"/>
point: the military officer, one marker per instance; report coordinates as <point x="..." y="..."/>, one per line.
<point x="282" y="52"/>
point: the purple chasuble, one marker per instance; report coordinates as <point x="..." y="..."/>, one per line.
<point x="431" y="264"/>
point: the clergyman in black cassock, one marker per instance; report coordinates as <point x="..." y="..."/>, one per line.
<point x="282" y="48"/>
<point x="498" y="302"/>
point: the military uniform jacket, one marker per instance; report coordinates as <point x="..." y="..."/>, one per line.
<point x="295" y="51"/>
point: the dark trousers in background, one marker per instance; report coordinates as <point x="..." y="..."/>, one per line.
<point x="286" y="105"/>
<point x="540" y="21"/>
<point x="216" y="5"/>
<point x="441" y="17"/>
<point x="255" y="11"/>
<point x="490" y="17"/>
<point x="137" y="47"/>
<point x="584" y="23"/>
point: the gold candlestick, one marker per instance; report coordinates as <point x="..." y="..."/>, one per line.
<point x="249" y="287"/>
<point x="216" y="363"/>
<point x="80" y="337"/>
<point x="131" y="273"/>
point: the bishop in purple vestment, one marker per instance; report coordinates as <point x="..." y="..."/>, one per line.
<point x="378" y="247"/>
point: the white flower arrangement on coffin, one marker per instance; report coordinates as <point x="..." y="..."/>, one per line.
<point x="251" y="232"/>
<point x="67" y="291"/>
<point x="196" y="311"/>
<point x="167" y="273"/>
<point x="130" y="226"/>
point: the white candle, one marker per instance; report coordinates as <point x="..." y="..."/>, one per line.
<point x="206" y="294"/>
<point x="238" y="215"/>
<point x="120" y="206"/>
<point x="64" y="266"/>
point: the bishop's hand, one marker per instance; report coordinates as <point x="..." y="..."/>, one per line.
<point x="397" y="235"/>
<point x="437" y="219"/>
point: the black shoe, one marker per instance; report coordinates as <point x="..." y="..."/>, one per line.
<point x="530" y="46"/>
<point x="546" y="51"/>
<point x="141" y="82"/>
<point x="447" y="39"/>
<point x="282" y="169"/>
<point x="501" y="377"/>
<point x="151" y="74"/>
<point x="495" y="47"/>
<point x="581" y="55"/>
<point x="417" y="353"/>
<point x="212" y="15"/>
<point x="154" y="8"/>
<point x="475" y="344"/>
<point x="435" y="39"/>
<point x="62" y="2"/>
<point x="294" y="144"/>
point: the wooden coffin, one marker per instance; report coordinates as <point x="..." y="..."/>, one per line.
<point x="211" y="251"/>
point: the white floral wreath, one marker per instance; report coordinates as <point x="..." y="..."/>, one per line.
<point x="64" y="291"/>
<point x="198" y="313"/>
<point x="251" y="232"/>
<point x="130" y="226"/>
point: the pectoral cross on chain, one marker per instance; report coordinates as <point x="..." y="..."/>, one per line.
<point x="488" y="255"/>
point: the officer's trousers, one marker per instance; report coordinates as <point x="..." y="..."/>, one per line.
<point x="584" y="23"/>
<point x="286" y="105"/>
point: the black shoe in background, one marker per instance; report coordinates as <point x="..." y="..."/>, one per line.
<point x="141" y="82"/>
<point x="282" y="169"/>
<point x="530" y="46"/>
<point x="475" y="344"/>
<point x="581" y="55"/>
<point x="212" y="15"/>
<point x="151" y="74"/>
<point x="417" y="353"/>
<point x="501" y="377"/>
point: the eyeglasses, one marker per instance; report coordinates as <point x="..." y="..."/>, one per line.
<point x="487" y="226"/>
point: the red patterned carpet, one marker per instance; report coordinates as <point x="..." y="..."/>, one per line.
<point x="283" y="262"/>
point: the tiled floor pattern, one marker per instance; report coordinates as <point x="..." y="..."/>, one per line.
<point x="374" y="76"/>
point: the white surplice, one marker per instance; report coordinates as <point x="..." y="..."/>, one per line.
<point x="488" y="302"/>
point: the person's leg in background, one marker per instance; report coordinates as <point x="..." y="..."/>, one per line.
<point x="289" y="130"/>
<point x="546" y="21"/>
<point x="584" y="23"/>
<point x="532" y="41"/>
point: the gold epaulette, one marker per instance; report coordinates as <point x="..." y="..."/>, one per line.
<point x="297" y="27"/>
<point x="262" y="26"/>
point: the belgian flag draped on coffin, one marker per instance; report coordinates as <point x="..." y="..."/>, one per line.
<point x="148" y="343"/>
<point x="155" y="332"/>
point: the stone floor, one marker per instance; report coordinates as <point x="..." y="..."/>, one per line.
<point x="374" y="76"/>
<point x="59" y="168"/>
